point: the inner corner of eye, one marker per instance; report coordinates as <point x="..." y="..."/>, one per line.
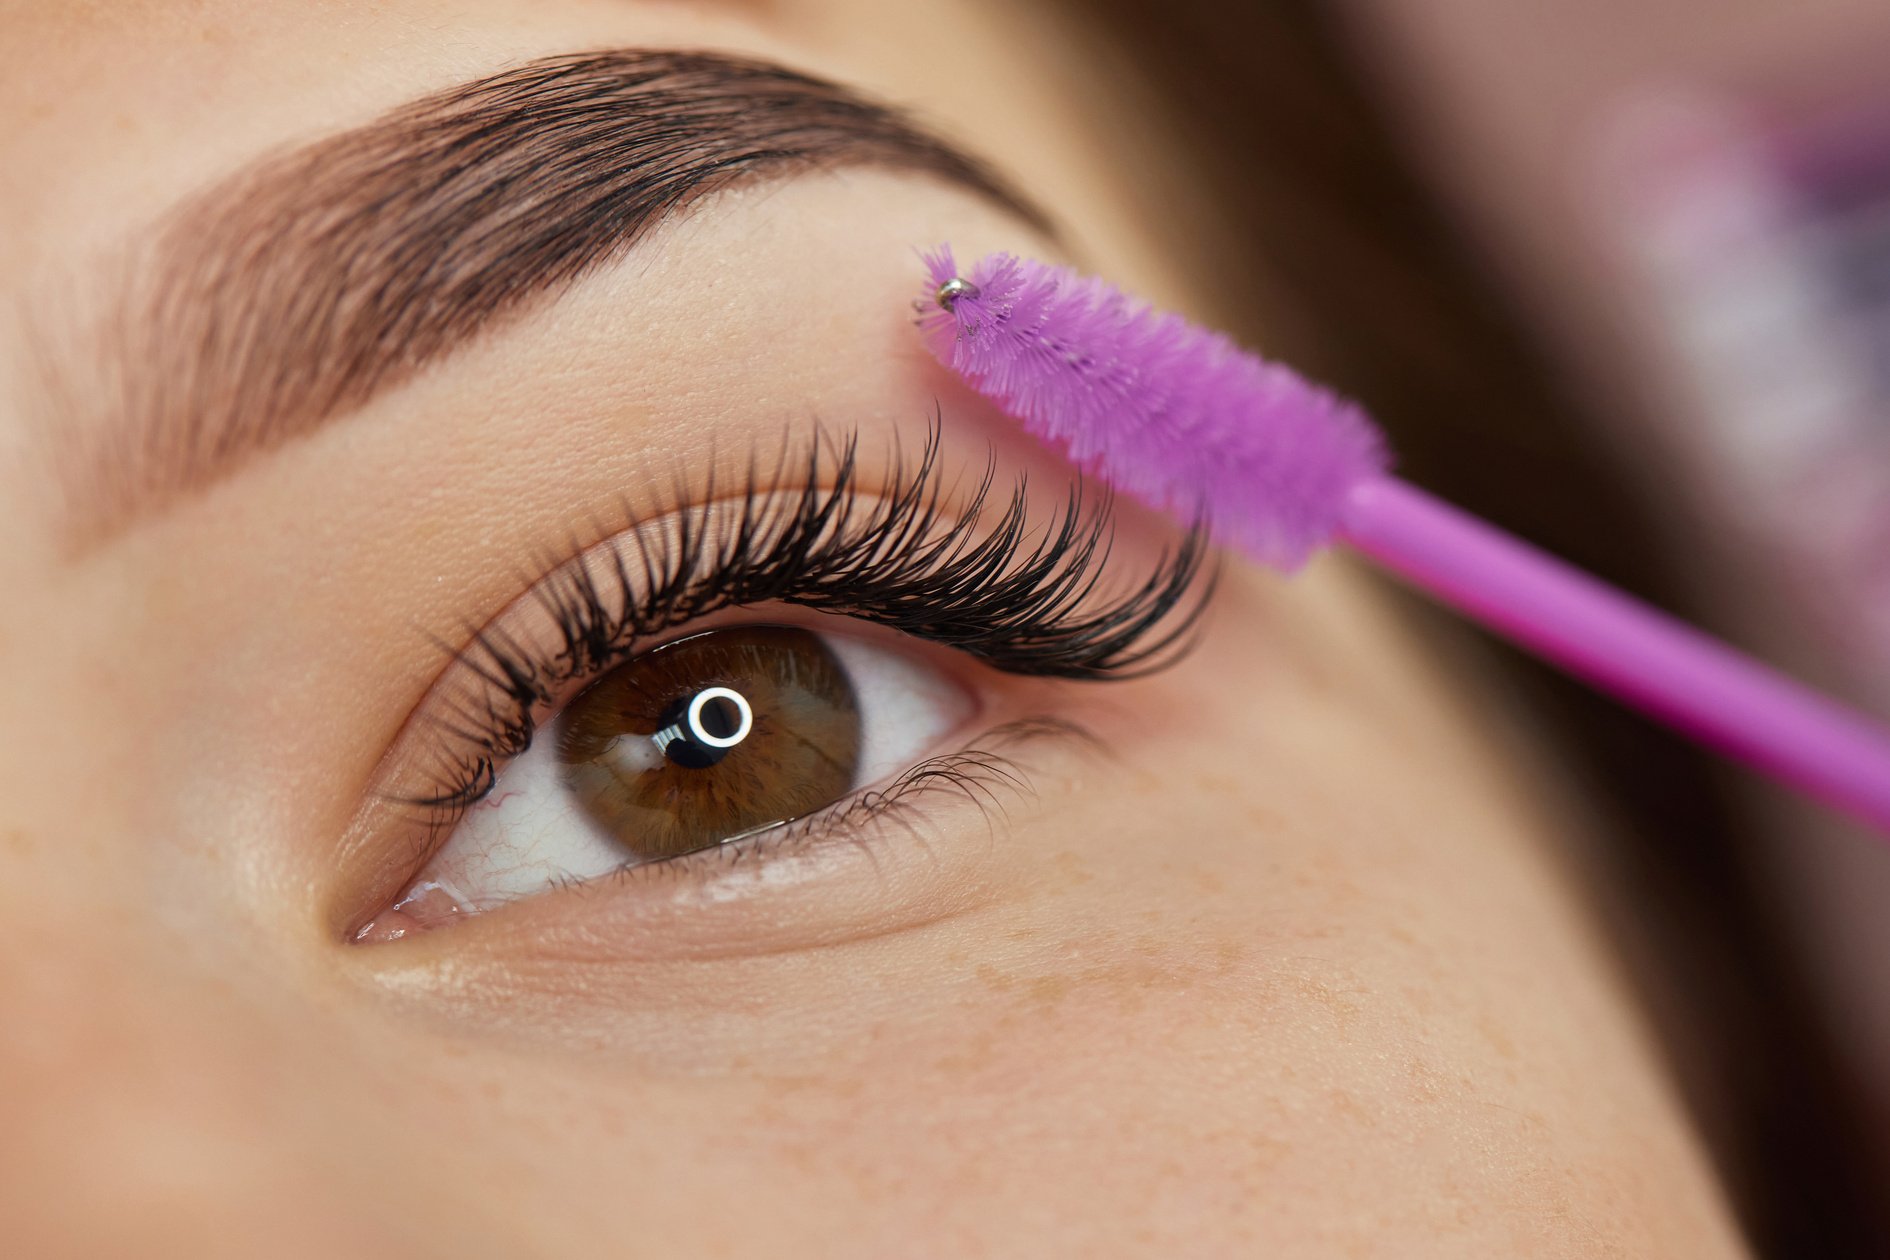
<point x="704" y="741"/>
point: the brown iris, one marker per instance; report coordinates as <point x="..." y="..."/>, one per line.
<point x="711" y="737"/>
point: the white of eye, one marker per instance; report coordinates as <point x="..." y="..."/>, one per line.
<point x="528" y="834"/>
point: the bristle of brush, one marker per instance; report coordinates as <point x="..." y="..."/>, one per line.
<point x="1171" y="413"/>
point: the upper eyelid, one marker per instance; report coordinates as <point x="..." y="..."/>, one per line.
<point x="899" y="555"/>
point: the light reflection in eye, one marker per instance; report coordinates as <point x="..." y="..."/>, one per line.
<point x="732" y="730"/>
<point x="701" y="742"/>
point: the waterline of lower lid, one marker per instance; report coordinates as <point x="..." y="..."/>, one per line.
<point x="431" y="904"/>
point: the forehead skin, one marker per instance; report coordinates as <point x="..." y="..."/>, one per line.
<point x="1295" y="974"/>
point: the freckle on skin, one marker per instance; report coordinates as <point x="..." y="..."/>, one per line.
<point x="797" y="1155"/>
<point x="1073" y="868"/>
<point x="995" y="980"/>
<point x="19" y="844"/>
<point x="1344" y="1104"/>
<point x="1498" y="1039"/>
<point x="1265" y="819"/>
<point x="1341" y="1004"/>
<point x="1217" y="785"/>
<point x="976" y="1057"/>
<point x="1428" y="1085"/>
<point x="1049" y="991"/>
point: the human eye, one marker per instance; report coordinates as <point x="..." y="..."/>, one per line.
<point x="705" y="741"/>
<point x="810" y="662"/>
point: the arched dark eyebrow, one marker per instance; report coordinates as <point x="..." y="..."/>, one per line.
<point x="294" y="291"/>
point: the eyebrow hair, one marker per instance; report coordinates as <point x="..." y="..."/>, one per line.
<point x="294" y="291"/>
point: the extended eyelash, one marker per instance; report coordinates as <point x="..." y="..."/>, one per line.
<point x="897" y="556"/>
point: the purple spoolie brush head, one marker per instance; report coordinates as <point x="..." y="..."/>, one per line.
<point x="1176" y="415"/>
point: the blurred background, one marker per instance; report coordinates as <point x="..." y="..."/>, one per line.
<point x="1616" y="274"/>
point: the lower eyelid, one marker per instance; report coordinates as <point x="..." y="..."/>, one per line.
<point x="530" y="831"/>
<point x="991" y="772"/>
<point x="976" y="787"/>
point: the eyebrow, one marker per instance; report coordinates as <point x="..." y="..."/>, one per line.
<point x="291" y="293"/>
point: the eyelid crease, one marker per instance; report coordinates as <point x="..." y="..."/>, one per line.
<point x="980" y="579"/>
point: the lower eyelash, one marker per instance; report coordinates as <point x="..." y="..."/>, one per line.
<point x="988" y="773"/>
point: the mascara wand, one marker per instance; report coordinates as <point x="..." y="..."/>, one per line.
<point x="1182" y="418"/>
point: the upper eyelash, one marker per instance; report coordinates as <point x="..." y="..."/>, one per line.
<point x="898" y="558"/>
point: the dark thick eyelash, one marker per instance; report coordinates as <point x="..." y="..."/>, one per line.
<point x="978" y="580"/>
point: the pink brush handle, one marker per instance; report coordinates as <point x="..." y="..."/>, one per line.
<point x="1652" y="661"/>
